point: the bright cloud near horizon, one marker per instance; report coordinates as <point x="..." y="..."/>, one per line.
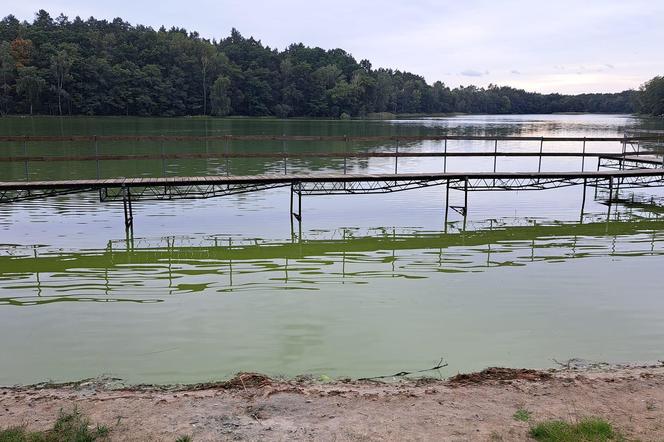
<point x="566" y="46"/>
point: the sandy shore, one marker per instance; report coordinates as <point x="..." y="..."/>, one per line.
<point x="476" y="407"/>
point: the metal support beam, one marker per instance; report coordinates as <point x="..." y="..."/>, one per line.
<point x="583" y="201"/>
<point x="495" y="154"/>
<point x="283" y="149"/>
<point x="447" y="202"/>
<point x="298" y="215"/>
<point x="539" y="165"/>
<point x="25" y="163"/>
<point x="345" y="153"/>
<point x="583" y="158"/>
<point x="465" y="204"/>
<point x="608" y="214"/>
<point x="396" y="159"/>
<point x="97" y="158"/>
<point x="128" y="212"/>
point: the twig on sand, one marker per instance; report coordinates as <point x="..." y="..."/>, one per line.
<point x="565" y="364"/>
<point x="440" y="365"/>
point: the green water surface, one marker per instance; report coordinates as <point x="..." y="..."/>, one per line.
<point x="367" y="285"/>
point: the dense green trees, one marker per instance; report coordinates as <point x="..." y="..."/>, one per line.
<point x="98" y="67"/>
<point x="651" y="97"/>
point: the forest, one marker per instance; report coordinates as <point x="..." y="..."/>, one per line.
<point x="58" y="66"/>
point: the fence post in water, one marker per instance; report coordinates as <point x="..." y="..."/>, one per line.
<point x="128" y="212"/>
<point x="163" y="159"/>
<point x="465" y="202"/>
<point x="583" y="201"/>
<point x="445" y="157"/>
<point x="583" y="156"/>
<point x="495" y="154"/>
<point x="610" y="196"/>
<point x="539" y="166"/>
<point x="227" y="148"/>
<point x="25" y="163"/>
<point x="447" y="202"/>
<point x="345" y="150"/>
<point x="298" y="215"/>
<point x="291" y="206"/>
<point x="283" y="149"/>
<point x="396" y="158"/>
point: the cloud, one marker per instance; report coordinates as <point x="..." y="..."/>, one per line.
<point x="473" y="73"/>
<point x="515" y="72"/>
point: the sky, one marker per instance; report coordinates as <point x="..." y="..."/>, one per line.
<point x="545" y="46"/>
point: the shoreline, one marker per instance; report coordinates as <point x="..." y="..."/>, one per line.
<point x="251" y="406"/>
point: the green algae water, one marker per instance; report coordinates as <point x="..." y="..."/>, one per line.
<point x="367" y="285"/>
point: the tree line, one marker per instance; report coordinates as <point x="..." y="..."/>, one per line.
<point x="58" y="66"/>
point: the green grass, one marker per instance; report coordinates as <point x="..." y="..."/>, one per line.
<point x="69" y="427"/>
<point x="521" y="415"/>
<point x="586" y="430"/>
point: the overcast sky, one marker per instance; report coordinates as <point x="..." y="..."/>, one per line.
<point x="547" y="46"/>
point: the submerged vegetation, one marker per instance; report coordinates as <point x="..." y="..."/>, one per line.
<point x="99" y="67"/>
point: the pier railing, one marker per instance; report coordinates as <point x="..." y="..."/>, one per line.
<point x="636" y="168"/>
<point x="627" y="145"/>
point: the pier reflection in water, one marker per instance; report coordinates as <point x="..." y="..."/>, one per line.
<point x="152" y="270"/>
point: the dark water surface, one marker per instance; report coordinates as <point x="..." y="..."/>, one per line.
<point x="370" y="285"/>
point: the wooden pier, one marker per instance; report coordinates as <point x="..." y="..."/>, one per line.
<point x="624" y="168"/>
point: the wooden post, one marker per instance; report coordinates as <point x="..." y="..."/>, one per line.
<point x="445" y="158"/>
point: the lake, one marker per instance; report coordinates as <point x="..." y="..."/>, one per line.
<point x="367" y="285"/>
